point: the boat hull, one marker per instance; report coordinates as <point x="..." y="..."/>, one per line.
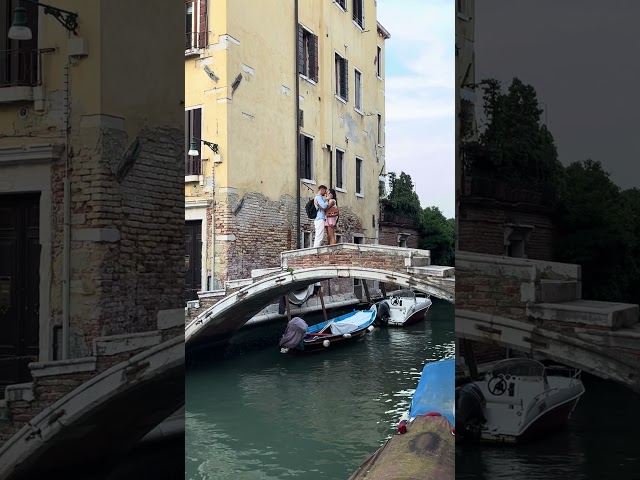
<point x="317" y="346"/>
<point x="414" y="318"/>
<point x="554" y="420"/>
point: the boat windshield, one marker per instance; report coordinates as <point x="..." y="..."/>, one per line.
<point x="519" y="367"/>
<point x="404" y="293"/>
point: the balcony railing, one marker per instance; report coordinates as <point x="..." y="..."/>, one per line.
<point x="192" y="166"/>
<point x="196" y="40"/>
<point x="387" y="217"/>
<point x="21" y="68"/>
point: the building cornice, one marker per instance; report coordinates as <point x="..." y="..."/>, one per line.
<point x="383" y="31"/>
<point x="30" y="153"/>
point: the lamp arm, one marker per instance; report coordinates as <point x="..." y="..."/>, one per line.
<point x="67" y="19"/>
<point x="211" y="145"/>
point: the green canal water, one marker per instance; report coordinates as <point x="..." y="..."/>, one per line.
<point x="259" y="414"/>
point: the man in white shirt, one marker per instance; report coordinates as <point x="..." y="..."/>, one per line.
<point x="321" y="205"/>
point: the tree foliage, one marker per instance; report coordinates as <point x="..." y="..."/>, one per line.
<point x="437" y="234"/>
<point x="514" y="144"/>
<point x="402" y="199"/>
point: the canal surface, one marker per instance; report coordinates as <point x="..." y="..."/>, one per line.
<point x="600" y="442"/>
<point x="264" y="415"/>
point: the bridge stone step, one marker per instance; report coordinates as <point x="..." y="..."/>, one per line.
<point x="115" y="344"/>
<point x="586" y="312"/>
<point x="556" y="291"/>
<point x="19" y="392"/>
<point x="261" y="272"/>
<point x="434" y="271"/>
<point x="419" y="261"/>
<point x="63" y="367"/>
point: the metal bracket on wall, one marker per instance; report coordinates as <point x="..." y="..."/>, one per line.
<point x="128" y="159"/>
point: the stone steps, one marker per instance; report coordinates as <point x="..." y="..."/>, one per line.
<point x="557" y="291"/>
<point x="419" y="261"/>
<point x="587" y="313"/>
<point x="116" y="344"/>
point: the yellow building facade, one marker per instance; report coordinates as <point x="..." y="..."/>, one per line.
<point x="292" y="95"/>
<point x="88" y="142"/>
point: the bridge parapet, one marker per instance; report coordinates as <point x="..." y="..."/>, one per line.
<point x="537" y="307"/>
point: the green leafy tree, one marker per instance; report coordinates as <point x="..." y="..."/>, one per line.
<point x="402" y="199"/>
<point x="437" y="234"/>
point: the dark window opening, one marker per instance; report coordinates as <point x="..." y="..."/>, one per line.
<point x="358" y="12"/>
<point x="342" y="77"/>
<point x="306" y="157"/>
<point x="359" y="175"/>
<point x="193" y="129"/>
<point x="379" y="129"/>
<point x="379" y="62"/>
<point x="358" y="83"/>
<point x="307" y="54"/>
<point x="339" y="169"/>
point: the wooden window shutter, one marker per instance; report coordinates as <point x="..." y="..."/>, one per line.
<point x="187" y="133"/>
<point x="300" y="49"/>
<point x="345" y="78"/>
<point x="197" y="127"/>
<point x="302" y="155"/>
<point x="314" y="58"/>
<point x="203" y="27"/>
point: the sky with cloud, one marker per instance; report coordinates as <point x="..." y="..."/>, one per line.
<point x="420" y="97"/>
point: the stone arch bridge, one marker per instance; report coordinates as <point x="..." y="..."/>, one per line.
<point x="95" y="407"/>
<point x="409" y="268"/>
<point x="537" y="308"/>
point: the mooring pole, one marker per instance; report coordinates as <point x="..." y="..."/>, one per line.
<point x="324" y="310"/>
<point x="366" y="290"/>
<point x="286" y="301"/>
<point x="384" y="290"/>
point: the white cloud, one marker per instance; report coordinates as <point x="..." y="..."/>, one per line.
<point x="420" y="105"/>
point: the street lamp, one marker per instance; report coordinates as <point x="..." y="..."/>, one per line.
<point x="193" y="149"/>
<point x="20" y="30"/>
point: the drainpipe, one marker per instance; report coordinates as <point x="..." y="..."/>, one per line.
<point x="330" y="150"/>
<point x="213" y="227"/>
<point x="297" y="117"/>
<point x="66" y="245"/>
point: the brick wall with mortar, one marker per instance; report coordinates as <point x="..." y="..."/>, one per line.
<point x="118" y="286"/>
<point x="389" y="233"/>
<point x="259" y="229"/>
<point x="481" y="230"/>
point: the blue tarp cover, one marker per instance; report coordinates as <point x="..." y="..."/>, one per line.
<point x="436" y="390"/>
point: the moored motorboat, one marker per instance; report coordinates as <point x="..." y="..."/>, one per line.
<point x="351" y="327"/>
<point x="402" y="308"/>
<point x="518" y="400"/>
<point x="424" y="446"/>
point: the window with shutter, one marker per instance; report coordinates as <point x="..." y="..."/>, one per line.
<point x="342" y="4"/>
<point x="379" y="62"/>
<point x="193" y="129"/>
<point x="358" y="12"/>
<point x="306" y="157"/>
<point x="358" y="176"/>
<point x="339" y="169"/>
<point x="358" y="90"/>
<point x="189" y="24"/>
<point x="342" y="77"/>
<point x="307" y="53"/>
<point x="300" y="49"/>
<point x="203" y="25"/>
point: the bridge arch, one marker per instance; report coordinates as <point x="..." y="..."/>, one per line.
<point x="566" y="349"/>
<point x="102" y="415"/>
<point x="236" y="309"/>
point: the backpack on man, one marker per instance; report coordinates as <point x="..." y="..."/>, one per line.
<point x="311" y="209"/>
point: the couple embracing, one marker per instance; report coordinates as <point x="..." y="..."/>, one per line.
<point x="327" y="216"/>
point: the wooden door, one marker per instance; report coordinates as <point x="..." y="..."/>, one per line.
<point x="193" y="259"/>
<point x="19" y="287"/>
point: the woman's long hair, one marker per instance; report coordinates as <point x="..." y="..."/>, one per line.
<point x="333" y="194"/>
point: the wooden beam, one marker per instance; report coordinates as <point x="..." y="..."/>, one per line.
<point x="366" y="290"/>
<point x="286" y="301"/>
<point x="324" y="310"/>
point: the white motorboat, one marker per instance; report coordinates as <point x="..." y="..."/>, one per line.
<point x="402" y="308"/>
<point x="519" y="399"/>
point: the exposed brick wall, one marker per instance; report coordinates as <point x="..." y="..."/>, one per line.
<point x="481" y="230"/>
<point x="118" y="287"/>
<point x="389" y="235"/>
<point x="263" y="228"/>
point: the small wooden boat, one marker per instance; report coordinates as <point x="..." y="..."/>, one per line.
<point x="424" y="446"/>
<point x="345" y="329"/>
<point x="402" y="308"/>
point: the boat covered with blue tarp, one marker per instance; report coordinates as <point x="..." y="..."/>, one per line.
<point x="424" y="448"/>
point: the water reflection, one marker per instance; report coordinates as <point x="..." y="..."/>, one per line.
<point x="269" y="416"/>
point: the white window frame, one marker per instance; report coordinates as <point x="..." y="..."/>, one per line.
<point x="311" y="163"/>
<point x="303" y="75"/>
<point x="358" y="95"/>
<point x="196" y="178"/>
<point x="379" y="62"/>
<point x="344" y="176"/>
<point x="307" y="236"/>
<point x="380" y="132"/>
<point x="358" y="235"/>
<point x="359" y="194"/>
<point x="339" y="238"/>
<point x="344" y="9"/>
<point x="195" y="28"/>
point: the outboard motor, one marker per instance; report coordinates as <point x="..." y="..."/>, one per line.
<point x="470" y="407"/>
<point x="294" y="333"/>
<point x="383" y="315"/>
